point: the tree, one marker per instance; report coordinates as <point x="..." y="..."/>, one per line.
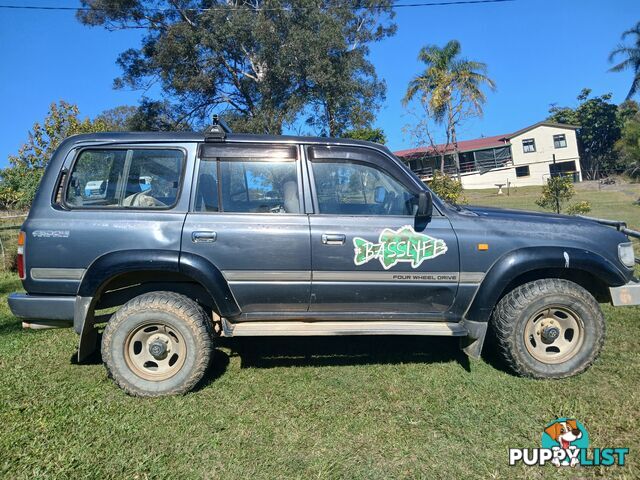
<point x="628" y="146"/>
<point x="599" y="129"/>
<point x="450" y="90"/>
<point x="118" y="119"/>
<point x="367" y="133"/>
<point x="19" y="181"/>
<point x="631" y="58"/>
<point x="447" y="188"/>
<point x="264" y="64"/>
<point x="557" y="192"/>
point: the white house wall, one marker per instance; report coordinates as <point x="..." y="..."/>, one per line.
<point x="538" y="161"/>
<point x="545" y="150"/>
<point x="539" y="172"/>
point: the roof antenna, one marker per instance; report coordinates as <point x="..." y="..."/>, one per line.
<point x="218" y="130"/>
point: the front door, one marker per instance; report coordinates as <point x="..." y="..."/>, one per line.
<point x="247" y="219"/>
<point x="368" y="254"/>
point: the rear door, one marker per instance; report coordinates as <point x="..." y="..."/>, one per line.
<point x="247" y="218"/>
<point x="368" y="253"/>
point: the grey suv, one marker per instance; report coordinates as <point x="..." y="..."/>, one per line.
<point x="194" y="236"/>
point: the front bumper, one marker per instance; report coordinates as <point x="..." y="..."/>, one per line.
<point x="628" y="294"/>
<point x="42" y="307"/>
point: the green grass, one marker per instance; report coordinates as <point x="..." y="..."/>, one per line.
<point x="611" y="201"/>
<point x="346" y="407"/>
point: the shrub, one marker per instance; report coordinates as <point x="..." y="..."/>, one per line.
<point x="579" y="208"/>
<point x="447" y="188"/>
<point x="555" y="193"/>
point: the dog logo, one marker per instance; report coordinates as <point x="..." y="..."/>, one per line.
<point x="566" y="434"/>
<point x="565" y="443"/>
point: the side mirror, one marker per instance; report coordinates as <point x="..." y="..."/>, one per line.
<point x="379" y="194"/>
<point x="425" y="205"/>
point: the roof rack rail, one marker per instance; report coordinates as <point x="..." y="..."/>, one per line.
<point x="217" y="132"/>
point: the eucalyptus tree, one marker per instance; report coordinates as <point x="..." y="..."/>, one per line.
<point x="267" y="63"/>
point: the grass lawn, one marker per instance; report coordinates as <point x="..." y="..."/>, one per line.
<point x="345" y="407"/>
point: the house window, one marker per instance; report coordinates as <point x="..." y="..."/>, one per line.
<point x="522" y="171"/>
<point x="560" y="141"/>
<point x="561" y="169"/>
<point x="529" y="145"/>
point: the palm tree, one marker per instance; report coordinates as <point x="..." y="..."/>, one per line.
<point x="450" y="88"/>
<point x="631" y="58"/>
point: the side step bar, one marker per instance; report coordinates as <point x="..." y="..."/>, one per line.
<point x="297" y="328"/>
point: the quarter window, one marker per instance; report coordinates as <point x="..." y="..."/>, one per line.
<point x="529" y="145"/>
<point x="120" y="178"/>
<point x="560" y="141"/>
<point x="356" y="189"/>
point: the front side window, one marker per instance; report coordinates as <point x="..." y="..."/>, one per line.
<point x="529" y="145"/>
<point x="560" y="141"/>
<point x="357" y="189"/>
<point x="120" y="178"/>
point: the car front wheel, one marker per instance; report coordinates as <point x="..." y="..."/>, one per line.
<point x="550" y="328"/>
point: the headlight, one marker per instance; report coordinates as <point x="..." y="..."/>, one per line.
<point x="626" y="255"/>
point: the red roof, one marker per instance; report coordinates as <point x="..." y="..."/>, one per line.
<point x="463" y="146"/>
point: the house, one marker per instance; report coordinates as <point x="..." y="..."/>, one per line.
<point x="527" y="157"/>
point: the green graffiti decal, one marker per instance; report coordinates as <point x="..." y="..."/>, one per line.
<point x="404" y="245"/>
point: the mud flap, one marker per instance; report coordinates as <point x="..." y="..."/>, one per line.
<point x="472" y="343"/>
<point x="84" y="325"/>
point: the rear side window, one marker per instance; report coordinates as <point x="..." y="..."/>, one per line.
<point x="119" y="178"/>
<point x="259" y="187"/>
<point x="248" y="187"/>
<point x="248" y="178"/>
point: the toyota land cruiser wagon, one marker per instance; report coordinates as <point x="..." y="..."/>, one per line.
<point x="192" y="236"/>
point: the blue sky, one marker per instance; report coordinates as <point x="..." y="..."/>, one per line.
<point x="538" y="51"/>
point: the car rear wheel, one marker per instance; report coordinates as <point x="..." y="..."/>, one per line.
<point x="157" y="344"/>
<point x="550" y="328"/>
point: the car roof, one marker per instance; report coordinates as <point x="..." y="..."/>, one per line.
<point x="138" y="137"/>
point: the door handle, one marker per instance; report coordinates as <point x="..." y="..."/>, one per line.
<point x="204" y="237"/>
<point x="333" y="238"/>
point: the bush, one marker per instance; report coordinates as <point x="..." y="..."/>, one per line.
<point x="579" y="208"/>
<point x="555" y="193"/>
<point x="447" y="188"/>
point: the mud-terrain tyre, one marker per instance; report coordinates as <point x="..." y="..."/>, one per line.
<point x="550" y="328"/>
<point x="157" y="344"/>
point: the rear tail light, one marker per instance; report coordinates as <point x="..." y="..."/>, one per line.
<point x="20" y="256"/>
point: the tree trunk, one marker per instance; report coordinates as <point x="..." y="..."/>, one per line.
<point x="456" y="157"/>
